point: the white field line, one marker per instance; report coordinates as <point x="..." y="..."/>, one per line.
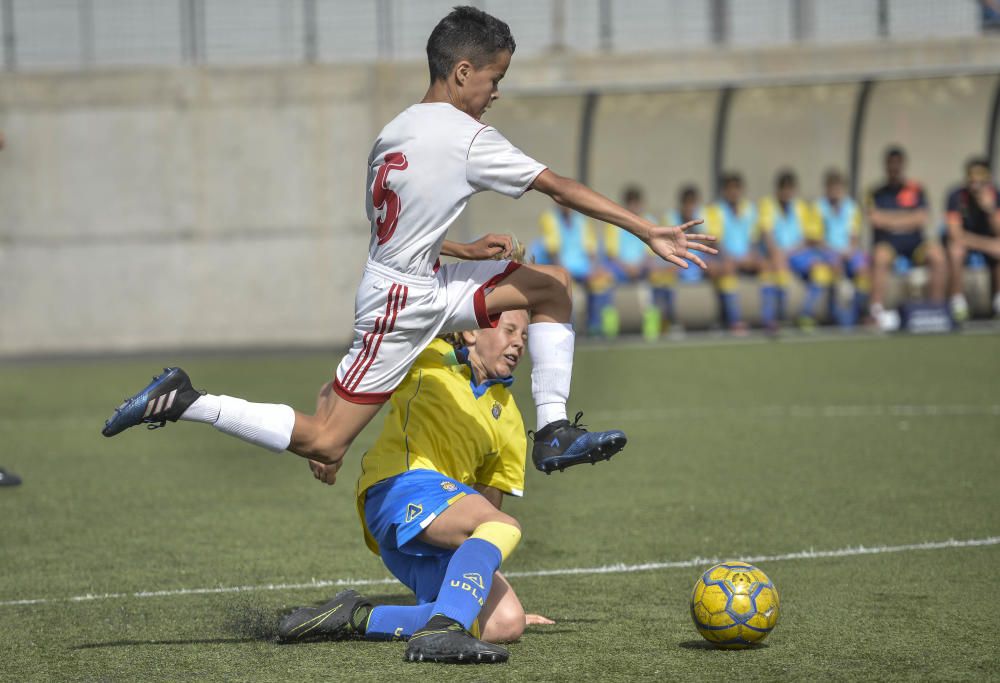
<point x="665" y="413"/>
<point x="850" y="551"/>
<point x="801" y="411"/>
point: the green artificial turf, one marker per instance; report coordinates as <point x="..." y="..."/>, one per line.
<point x="736" y="450"/>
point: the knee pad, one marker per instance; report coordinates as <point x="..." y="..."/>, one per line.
<point x="728" y="284"/>
<point x="663" y="278"/>
<point x="862" y="283"/>
<point x="602" y="283"/>
<point x="821" y="275"/>
<point x="500" y="534"/>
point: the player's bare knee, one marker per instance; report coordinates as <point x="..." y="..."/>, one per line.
<point x="506" y="624"/>
<point x="883" y="256"/>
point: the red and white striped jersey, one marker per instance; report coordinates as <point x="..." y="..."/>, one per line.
<point x="423" y="168"/>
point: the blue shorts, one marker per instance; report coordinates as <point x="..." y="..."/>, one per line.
<point x="802" y="261"/>
<point x="396" y="511"/>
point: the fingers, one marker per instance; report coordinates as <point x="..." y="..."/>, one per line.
<point x="677" y="261"/>
<point x="691" y="224"/>
<point x="695" y="259"/>
<point x="536" y="619"/>
<point x="702" y="238"/>
<point x="701" y="247"/>
<point x="330" y="472"/>
<point x="504" y="242"/>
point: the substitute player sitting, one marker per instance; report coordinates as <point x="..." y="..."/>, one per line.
<point x="839" y="219"/>
<point x="733" y="220"/>
<point x="429" y="498"/>
<point x="973" y="227"/>
<point x="792" y="241"/>
<point x="424" y="167"/>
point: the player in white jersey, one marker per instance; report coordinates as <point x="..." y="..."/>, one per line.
<point x="424" y="166"/>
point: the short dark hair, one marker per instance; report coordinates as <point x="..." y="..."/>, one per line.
<point x="833" y="176"/>
<point x="632" y="193"/>
<point x="977" y="162"/>
<point x="786" y="178"/>
<point x="466" y="33"/>
<point x="731" y="177"/>
<point x="895" y="151"/>
<point x="688" y="193"/>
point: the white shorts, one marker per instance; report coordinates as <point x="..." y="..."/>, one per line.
<point x="396" y="315"/>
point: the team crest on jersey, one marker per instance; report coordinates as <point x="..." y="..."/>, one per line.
<point x="448" y="486"/>
<point x="413" y="511"/>
<point x="497" y="409"/>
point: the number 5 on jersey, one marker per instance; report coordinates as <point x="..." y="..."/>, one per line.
<point x="385" y="200"/>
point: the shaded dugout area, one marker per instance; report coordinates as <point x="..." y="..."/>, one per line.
<point x="662" y="140"/>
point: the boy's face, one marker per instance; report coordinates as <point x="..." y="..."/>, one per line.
<point x="497" y="351"/>
<point x="835" y="190"/>
<point x="479" y="87"/>
<point x="786" y="192"/>
<point x="732" y="192"/>
<point x="689" y="204"/>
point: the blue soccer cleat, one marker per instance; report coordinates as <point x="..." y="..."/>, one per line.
<point x="562" y="444"/>
<point x="166" y="398"/>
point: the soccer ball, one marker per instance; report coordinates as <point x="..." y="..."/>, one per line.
<point x="734" y="605"/>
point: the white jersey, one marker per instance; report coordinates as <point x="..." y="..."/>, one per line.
<point x="423" y="167"/>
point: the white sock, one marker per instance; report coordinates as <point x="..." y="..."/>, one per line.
<point x="996" y="303"/>
<point x="205" y="409"/>
<point x="268" y="425"/>
<point x="551" y="348"/>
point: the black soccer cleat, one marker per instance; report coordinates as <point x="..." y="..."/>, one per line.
<point x="562" y="444"/>
<point x="9" y="478"/>
<point x="332" y="621"/>
<point x="445" y="641"/>
<point x="165" y="398"/>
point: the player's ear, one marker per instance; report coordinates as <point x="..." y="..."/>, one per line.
<point x="469" y="338"/>
<point x="462" y="71"/>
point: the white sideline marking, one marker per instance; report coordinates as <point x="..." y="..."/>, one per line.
<point x="851" y="551"/>
<point x="800" y="411"/>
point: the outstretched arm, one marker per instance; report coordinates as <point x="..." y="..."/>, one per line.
<point x="670" y="243"/>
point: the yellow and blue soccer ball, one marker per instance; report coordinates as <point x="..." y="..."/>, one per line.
<point x="734" y="605"/>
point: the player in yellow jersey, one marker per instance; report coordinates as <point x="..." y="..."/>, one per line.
<point x="429" y="495"/>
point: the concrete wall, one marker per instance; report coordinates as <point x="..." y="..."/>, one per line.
<point x="224" y="207"/>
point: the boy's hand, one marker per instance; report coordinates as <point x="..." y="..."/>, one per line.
<point x="325" y="473"/>
<point x="489" y="246"/>
<point x="675" y="244"/>
<point x="537" y="620"/>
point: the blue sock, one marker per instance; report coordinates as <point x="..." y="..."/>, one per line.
<point x="779" y="294"/>
<point x="467" y="581"/>
<point x="664" y="299"/>
<point x="731" y="307"/>
<point x="390" y="622"/>
<point x="594" y="306"/>
<point x="813" y="292"/>
<point x="860" y="305"/>
<point x="768" y="296"/>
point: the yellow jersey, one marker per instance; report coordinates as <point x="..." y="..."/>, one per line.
<point x="441" y="420"/>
